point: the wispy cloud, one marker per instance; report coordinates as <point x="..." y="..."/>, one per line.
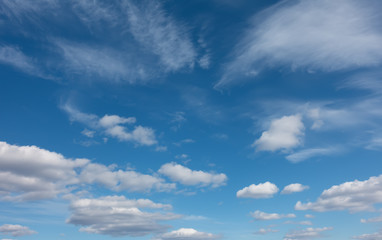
<point x="155" y="30"/>
<point x="310" y="153"/>
<point x="306" y="234"/>
<point x="261" y="216"/>
<point x="315" y="36"/>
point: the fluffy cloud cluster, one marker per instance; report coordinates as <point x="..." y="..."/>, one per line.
<point x="32" y="173"/>
<point x="353" y="196"/>
<point x="186" y="234"/>
<point x="294" y="187"/>
<point x="283" y="133"/>
<point x="306" y="234"/>
<point x="16" y="230"/>
<point x="186" y="176"/>
<point x="113" y="126"/>
<point x="258" y="215"/>
<point x="262" y="190"/>
<point x="337" y="35"/>
<point x="118" y="216"/>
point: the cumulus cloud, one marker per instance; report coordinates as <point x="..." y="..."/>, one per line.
<point x="319" y="36"/>
<point x="262" y="190"/>
<point x="32" y="173"/>
<point x="353" y="196"/>
<point x="16" y="230"/>
<point x="118" y="216"/>
<point x="112" y="125"/>
<point x="186" y="176"/>
<point x="309" y="153"/>
<point x="294" y="187"/>
<point x="261" y="216"/>
<point x="305" y="234"/>
<point x="186" y="234"/>
<point x="283" y="133"/>
<point x="120" y="180"/>
<point x="369" y="236"/>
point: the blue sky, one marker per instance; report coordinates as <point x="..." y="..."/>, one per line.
<point x="190" y="120"/>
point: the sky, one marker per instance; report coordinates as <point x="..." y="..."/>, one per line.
<point x="190" y="120"/>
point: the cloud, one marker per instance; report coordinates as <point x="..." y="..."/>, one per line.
<point x="314" y="36"/>
<point x="262" y="190"/>
<point x="155" y="30"/>
<point x="14" y="57"/>
<point x="310" y="153"/>
<point x="299" y="223"/>
<point x="263" y="231"/>
<point x="186" y="176"/>
<point x="371" y="236"/>
<point x="32" y="173"/>
<point x="293" y="188"/>
<point x="111" y="125"/>
<point x="305" y="234"/>
<point x="118" y="216"/>
<point x="120" y="180"/>
<point x="186" y="234"/>
<point x="353" y="196"/>
<point x="372" y="220"/>
<point x="16" y="230"/>
<point x="100" y="62"/>
<point x="283" y="133"/>
<point x="261" y="216"/>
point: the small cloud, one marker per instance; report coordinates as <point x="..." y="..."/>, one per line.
<point x="262" y="190"/>
<point x="293" y="188"/>
<point x="262" y="216"/>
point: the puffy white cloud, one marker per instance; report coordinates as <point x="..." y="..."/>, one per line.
<point x="16" y="230"/>
<point x="111" y="125"/>
<point x="294" y="187"/>
<point x="32" y="173"/>
<point x="258" y="215"/>
<point x="353" y="196"/>
<point x="186" y="234"/>
<point x="305" y="234"/>
<point x="370" y="236"/>
<point x="118" y="216"/>
<point x="186" y="176"/>
<point x="314" y="36"/>
<point x="262" y="190"/>
<point x="309" y="153"/>
<point x="283" y="133"/>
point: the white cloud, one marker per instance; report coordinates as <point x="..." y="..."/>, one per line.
<point x="186" y="176"/>
<point x="372" y="220"/>
<point x="118" y="216"/>
<point x="262" y="190"/>
<point x="299" y="223"/>
<point x="371" y="236"/>
<point x="155" y="30"/>
<point x="14" y="57"/>
<point x="309" y="216"/>
<point x="32" y="173"/>
<point x="88" y="133"/>
<point x="324" y="36"/>
<point x="294" y="187"/>
<point x="100" y="62"/>
<point x="186" y="234"/>
<point x="354" y="196"/>
<point x="283" y="133"/>
<point x="261" y="216"/>
<point x="263" y="231"/>
<point x="16" y="230"/>
<point x="305" y="234"/>
<point x="309" y="153"/>
<point x="111" y="125"/>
